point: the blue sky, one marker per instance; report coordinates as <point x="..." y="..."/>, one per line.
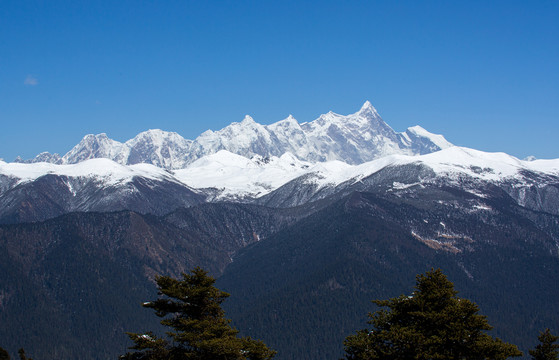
<point x="483" y="73"/>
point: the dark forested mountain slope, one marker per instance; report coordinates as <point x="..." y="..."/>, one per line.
<point x="84" y="235"/>
<point x="308" y="286"/>
<point x="52" y="195"/>
<point x="301" y="272"/>
<point x="82" y="276"/>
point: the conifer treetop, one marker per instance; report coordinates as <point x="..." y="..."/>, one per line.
<point x="432" y="323"/>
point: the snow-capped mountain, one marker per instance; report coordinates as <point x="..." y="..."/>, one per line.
<point x="343" y="202"/>
<point x="160" y="148"/>
<point x="31" y="192"/>
<point x="283" y="181"/>
<point x="354" y="139"/>
<point x="532" y="184"/>
<point x="96" y="146"/>
<point x="279" y="165"/>
<point x="235" y="177"/>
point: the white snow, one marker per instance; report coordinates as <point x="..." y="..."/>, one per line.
<point x="365" y="135"/>
<point x="436" y="139"/>
<point x="407" y="138"/>
<point x="482" y="207"/>
<point x="400" y="186"/>
<point x="493" y="166"/>
<point x="454" y="162"/>
<point x="238" y="176"/>
<point x="108" y="171"/>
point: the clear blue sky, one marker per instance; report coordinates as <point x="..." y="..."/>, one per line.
<point x="483" y="73"/>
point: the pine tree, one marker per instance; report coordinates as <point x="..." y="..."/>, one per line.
<point x="191" y="307"/>
<point x="22" y="356"/>
<point x="432" y="323"/>
<point x="4" y="354"/>
<point x="546" y="350"/>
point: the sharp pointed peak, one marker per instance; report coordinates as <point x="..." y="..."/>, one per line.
<point x="367" y="106"/>
<point x="247" y="120"/>
<point x="368" y="110"/>
<point x="329" y="115"/>
<point x="291" y="118"/>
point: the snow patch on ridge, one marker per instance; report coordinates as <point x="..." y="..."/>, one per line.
<point x="237" y="176"/>
<point x="110" y="172"/>
<point x="436" y="139"/>
<point x="234" y="174"/>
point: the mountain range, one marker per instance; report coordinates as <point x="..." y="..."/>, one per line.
<point x="39" y="191"/>
<point x="303" y="224"/>
<point x="353" y="139"/>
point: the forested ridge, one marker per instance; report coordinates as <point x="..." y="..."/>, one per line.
<point x="431" y="323"/>
<point x="301" y="279"/>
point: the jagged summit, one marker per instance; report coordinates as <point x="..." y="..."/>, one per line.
<point x="354" y="139"/>
<point x="248" y="120"/>
<point x="92" y="147"/>
<point x="368" y="107"/>
<point x="369" y="112"/>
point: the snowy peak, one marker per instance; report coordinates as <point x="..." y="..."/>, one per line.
<point x="42" y="157"/>
<point x="418" y="132"/>
<point x="161" y="148"/>
<point x="367" y="106"/>
<point x="157" y="147"/>
<point x="224" y="175"/>
<point x="356" y="138"/>
<point x="288" y="123"/>
<point x="366" y="120"/>
<point x="456" y="163"/>
<point x="223" y="158"/>
<point x="368" y="110"/>
<point x="48" y="157"/>
<point x="532" y="184"/>
<point x="157" y="137"/>
<point x="247" y="138"/>
<point x="236" y="177"/>
<point x="248" y="120"/>
<point x="93" y="147"/>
